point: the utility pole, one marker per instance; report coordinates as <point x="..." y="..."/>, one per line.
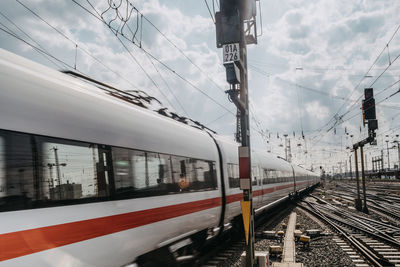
<point x="286" y="147"/>
<point x="373" y="164"/>
<point x="236" y="27"/>
<point x="358" y="199"/>
<point x="387" y="149"/>
<point x="365" y="209"/>
<point x="95" y="183"/>
<point x="398" y="152"/>
<point x="58" y="171"/>
<point x="57" y="164"/>
<point x="351" y="172"/>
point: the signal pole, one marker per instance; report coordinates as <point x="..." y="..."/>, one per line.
<point x="358" y="200"/>
<point x="365" y="208"/>
<point x="368" y="108"/>
<point x="236" y="27"/>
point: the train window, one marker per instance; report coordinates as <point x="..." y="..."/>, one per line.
<point x="142" y="174"/>
<point x="18" y="183"/>
<point x="202" y="174"/>
<point x="254" y="175"/>
<point x="233" y="175"/>
<point x="284" y="176"/>
<point x="72" y="170"/>
<point x="194" y="174"/>
<point x="273" y="176"/>
<point x="264" y="176"/>
<point x="38" y="172"/>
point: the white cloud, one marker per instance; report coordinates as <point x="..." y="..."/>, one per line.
<point x="333" y="42"/>
<point x="317" y="111"/>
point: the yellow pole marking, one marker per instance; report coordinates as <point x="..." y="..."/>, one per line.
<point x="246" y="205"/>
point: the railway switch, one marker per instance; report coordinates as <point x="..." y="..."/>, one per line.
<point x="280" y="235"/>
<point x="297" y="234"/>
<point x="275" y="250"/>
<point x="269" y="234"/>
<point x="313" y="232"/>
<point x="305" y="240"/>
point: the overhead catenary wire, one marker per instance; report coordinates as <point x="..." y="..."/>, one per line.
<point x="359" y="83"/>
<point x="165" y="65"/>
<point x="145" y="72"/>
<point x="379" y="76"/>
<point x="209" y="11"/>
<point x="340" y="121"/>
<point x="77" y="45"/>
<point x="168" y="87"/>
<point x="376" y="60"/>
<point x="359" y="113"/>
<point x="218" y="118"/>
<point x="379" y="92"/>
<point x="158" y="60"/>
<point x="184" y="54"/>
<point x="27" y="35"/>
<point x="37" y="48"/>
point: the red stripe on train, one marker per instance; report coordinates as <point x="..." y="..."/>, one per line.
<point x="21" y="243"/>
<point x="17" y="244"/>
<point x="256" y="193"/>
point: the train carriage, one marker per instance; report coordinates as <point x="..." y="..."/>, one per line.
<point x="88" y="179"/>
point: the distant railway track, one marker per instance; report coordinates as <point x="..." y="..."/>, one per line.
<point x="380" y="203"/>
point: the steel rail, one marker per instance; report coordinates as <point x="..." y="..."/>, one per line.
<point x="374" y="258"/>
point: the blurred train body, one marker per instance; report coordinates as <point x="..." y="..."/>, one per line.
<point x="88" y="179"/>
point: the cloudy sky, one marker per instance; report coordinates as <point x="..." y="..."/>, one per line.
<point x="306" y="74"/>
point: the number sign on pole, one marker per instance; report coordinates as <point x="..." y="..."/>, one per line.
<point x="231" y="52"/>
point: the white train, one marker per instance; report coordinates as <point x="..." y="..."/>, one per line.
<point x="88" y="179"/>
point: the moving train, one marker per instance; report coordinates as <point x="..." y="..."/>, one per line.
<point x="89" y="177"/>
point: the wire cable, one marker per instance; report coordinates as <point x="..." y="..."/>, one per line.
<point x="359" y="83"/>
<point x="169" y="88"/>
<point x="36" y="48"/>
<point x="27" y="35"/>
<point x="159" y="61"/>
<point x="209" y="11"/>
<point x="76" y="44"/>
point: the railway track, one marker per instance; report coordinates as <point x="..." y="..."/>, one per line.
<point x="367" y="241"/>
<point x="231" y="245"/>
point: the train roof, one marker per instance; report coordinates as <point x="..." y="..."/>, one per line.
<point x="39" y="100"/>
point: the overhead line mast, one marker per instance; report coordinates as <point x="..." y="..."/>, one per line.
<point x="236" y="27"/>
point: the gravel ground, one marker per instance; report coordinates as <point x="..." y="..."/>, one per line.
<point x="261" y="244"/>
<point x="323" y="251"/>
